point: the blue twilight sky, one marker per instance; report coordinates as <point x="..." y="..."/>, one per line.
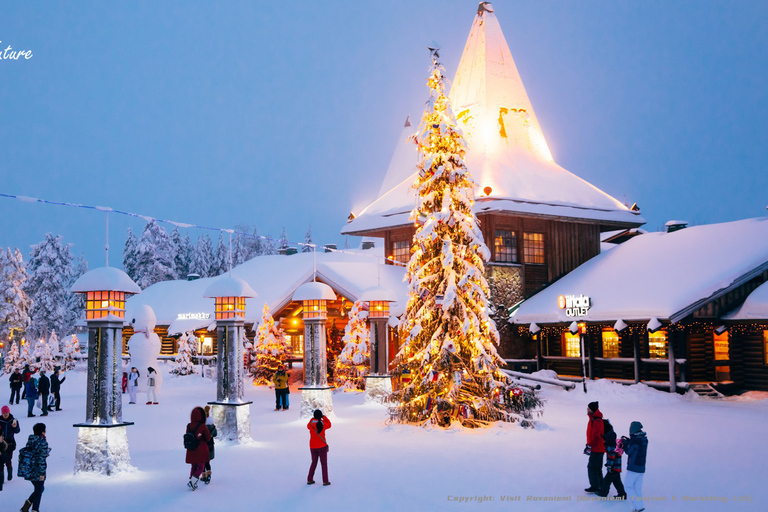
<point x="285" y="114"/>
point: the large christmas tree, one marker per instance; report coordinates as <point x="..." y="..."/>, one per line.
<point x="448" y="338"/>
<point x="269" y="350"/>
<point x="354" y="361"/>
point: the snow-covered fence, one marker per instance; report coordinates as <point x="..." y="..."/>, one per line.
<point x="555" y="382"/>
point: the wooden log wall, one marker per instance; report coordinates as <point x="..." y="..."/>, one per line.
<point x="748" y="368"/>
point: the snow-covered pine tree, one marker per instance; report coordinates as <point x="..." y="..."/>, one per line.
<point x="44" y="354"/>
<point x="13" y="358"/>
<point x="201" y="264"/>
<point x="448" y="338"/>
<point x="70" y="349"/>
<point x="346" y="242"/>
<point x="14" y="301"/>
<point x="181" y="249"/>
<point x="220" y="258"/>
<point x="50" y="271"/>
<point x="307" y="247"/>
<point x="283" y="243"/>
<point x="75" y="301"/>
<point x="53" y="343"/>
<point x="129" y="254"/>
<point x="154" y="256"/>
<point x="269" y="248"/>
<point x="354" y="361"/>
<point x="269" y="350"/>
<point x="183" y="361"/>
<point x="26" y="356"/>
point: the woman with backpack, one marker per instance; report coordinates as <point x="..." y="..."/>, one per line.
<point x="32" y="466"/>
<point x="206" y="478"/>
<point x="318" y="446"/>
<point x="196" y="440"/>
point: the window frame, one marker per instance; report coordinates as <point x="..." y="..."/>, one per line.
<point x="531" y="246"/>
<point x="515" y="257"/>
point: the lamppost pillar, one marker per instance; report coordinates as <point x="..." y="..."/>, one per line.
<point x="378" y="383"/>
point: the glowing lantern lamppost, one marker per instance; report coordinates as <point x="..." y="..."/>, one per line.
<point x="102" y="440"/>
<point x="316" y="394"/>
<point x="378" y="384"/>
<point x="231" y="414"/>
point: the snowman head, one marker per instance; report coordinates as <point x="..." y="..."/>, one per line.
<point x="143" y="319"/>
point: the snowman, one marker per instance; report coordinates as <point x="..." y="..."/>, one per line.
<point x="144" y="346"/>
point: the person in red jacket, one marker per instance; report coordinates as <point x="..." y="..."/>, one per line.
<point x="595" y="447"/>
<point x="318" y="446"/>
<point x="199" y="455"/>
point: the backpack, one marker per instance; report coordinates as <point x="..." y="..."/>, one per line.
<point x="191" y="441"/>
<point x="25" y="464"/>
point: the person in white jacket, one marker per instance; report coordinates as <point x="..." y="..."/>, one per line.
<point x="133" y="384"/>
<point x="151" y="386"/>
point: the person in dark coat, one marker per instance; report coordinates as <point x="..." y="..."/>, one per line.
<point x="318" y="446"/>
<point x="636" y="448"/>
<point x="613" y="451"/>
<point x="39" y="451"/>
<point x="3" y="455"/>
<point x="44" y="388"/>
<point x="25" y="376"/>
<point x="595" y="447"/>
<point x="9" y="427"/>
<point x="16" y="383"/>
<point x="30" y="389"/>
<point x="206" y="478"/>
<point x="56" y="382"/>
<point x="198" y="456"/>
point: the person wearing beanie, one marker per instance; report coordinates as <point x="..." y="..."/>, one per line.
<point x="613" y="451"/>
<point x="280" y="380"/>
<point x="9" y="427"/>
<point x="318" y="446"/>
<point x="595" y="448"/>
<point x="636" y="448"/>
<point x="197" y="450"/>
<point x="151" y="386"/>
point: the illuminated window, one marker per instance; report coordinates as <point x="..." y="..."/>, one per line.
<point x="296" y="342"/>
<point x="765" y="344"/>
<point x="402" y="251"/>
<point x="104" y="303"/>
<point x="505" y="246"/>
<point x="533" y="247"/>
<point x="229" y="307"/>
<point x="572" y="345"/>
<point x="721" y="346"/>
<point x="610" y="343"/>
<point x="657" y="344"/>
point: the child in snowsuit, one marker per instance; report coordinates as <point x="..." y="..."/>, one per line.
<point x="595" y="447"/>
<point x="613" y="453"/>
<point x="636" y="448"/>
<point x="318" y="446"/>
<point x="199" y="455"/>
<point x="280" y="380"/>
<point x="206" y="477"/>
<point x="151" y="382"/>
<point x="37" y="446"/>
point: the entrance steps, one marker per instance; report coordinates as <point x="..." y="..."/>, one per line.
<point x="706" y="391"/>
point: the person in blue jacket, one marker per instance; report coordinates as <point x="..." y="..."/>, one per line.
<point x="37" y="445"/>
<point x="636" y="448"/>
<point x="30" y="388"/>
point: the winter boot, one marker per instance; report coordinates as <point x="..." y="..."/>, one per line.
<point x="192" y="484"/>
<point x="206" y="477"/>
<point x="27" y="506"/>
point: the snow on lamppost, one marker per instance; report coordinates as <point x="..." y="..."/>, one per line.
<point x="231" y="414"/>
<point x="102" y="440"/>
<point x="316" y="393"/>
<point x="378" y="383"/>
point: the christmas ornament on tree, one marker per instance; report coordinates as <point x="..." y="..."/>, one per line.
<point x="269" y="350"/>
<point x="448" y="337"/>
<point x="354" y="361"/>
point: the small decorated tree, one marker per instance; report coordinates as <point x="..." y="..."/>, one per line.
<point x="448" y="338"/>
<point x="354" y="361"/>
<point x="26" y="354"/>
<point x="184" y="365"/>
<point x="269" y="350"/>
<point x="13" y="359"/>
<point x="44" y="353"/>
<point x="71" y="348"/>
<point x="53" y="343"/>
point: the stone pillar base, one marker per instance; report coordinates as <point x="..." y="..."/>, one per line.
<point x="377" y="388"/>
<point x="232" y="421"/>
<point x="102" y="449"/>
<point x="316" y="398"/>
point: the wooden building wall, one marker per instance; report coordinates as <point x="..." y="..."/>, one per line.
<point x="748" y="364"/>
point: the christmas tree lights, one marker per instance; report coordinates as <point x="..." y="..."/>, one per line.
<point x="269" y="350"/>
<point x="449" y="339"/>
<point x="353" y="363"/>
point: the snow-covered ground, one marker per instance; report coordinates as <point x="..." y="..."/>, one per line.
<point x="697" y="448"/>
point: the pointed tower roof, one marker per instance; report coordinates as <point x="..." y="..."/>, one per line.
<point x="507" y="152"/>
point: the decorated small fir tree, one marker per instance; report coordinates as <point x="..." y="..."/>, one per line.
<point x="448" y="338"/>
<point x="354" y="361"/>
<point x="26" y="354"/>
<point x="269" y="350"/>
<point x="13" y="359"/>
<point x="71" y="348"/>
<point x="183" y="360"/>
<point x="44" y="354"/>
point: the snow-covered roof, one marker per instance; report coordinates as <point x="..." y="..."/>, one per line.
<point x="105" y="279"/>
<point x="506" y="149"/>
<point x="226" y="286"/>
<point x="754" y="308"/>
<point x="658" y="275"/>
<point x="274" y="279"/>
<point x="378" y="293"/>
<point x="314" y="291"/>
